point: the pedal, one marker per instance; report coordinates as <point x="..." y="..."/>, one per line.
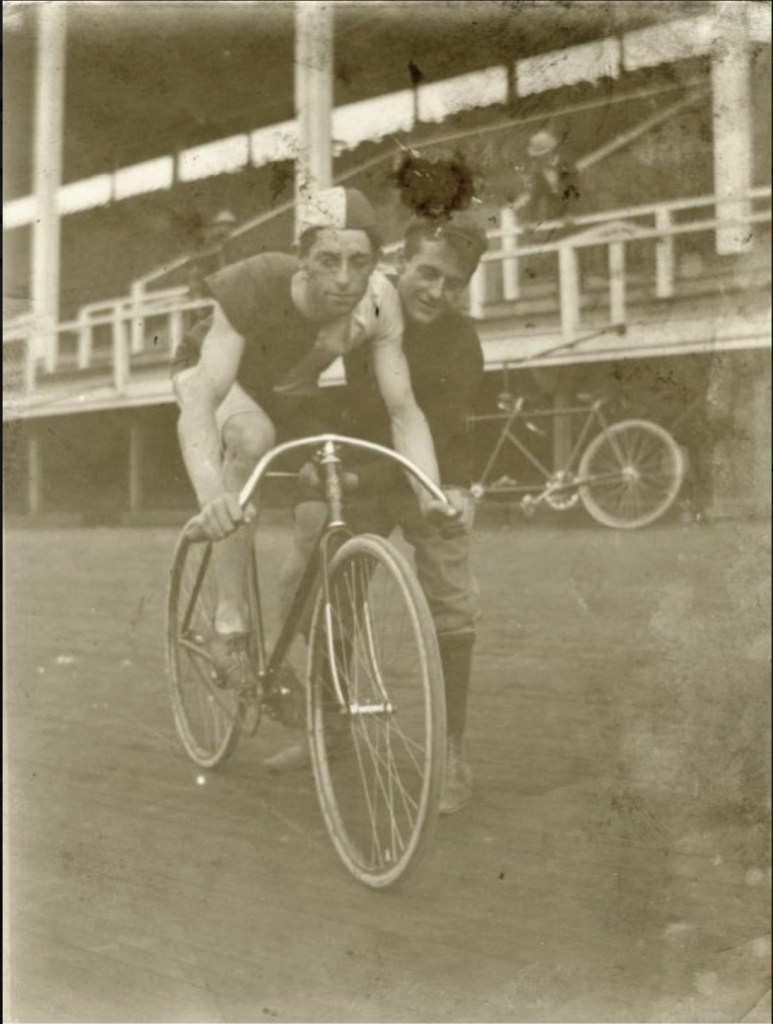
<point x="249" y="716"/>
<point x="286" y="702"/>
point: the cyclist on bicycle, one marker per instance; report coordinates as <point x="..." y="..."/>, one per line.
<point x="446" y="363"/>
<point x="278" y="323"/>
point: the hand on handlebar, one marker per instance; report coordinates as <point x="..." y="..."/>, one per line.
<point x="453" y="516"/>
<point x="220" y="517"/>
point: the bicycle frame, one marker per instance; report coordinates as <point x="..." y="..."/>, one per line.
<point x="326" y="448"/>
<point x="552" y="478"/>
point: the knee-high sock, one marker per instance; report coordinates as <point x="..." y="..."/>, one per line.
<point x="456" y="656"/>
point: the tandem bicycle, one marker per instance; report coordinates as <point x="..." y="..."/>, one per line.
<point x="627" y="474"/>
<point x="372" y="700"/>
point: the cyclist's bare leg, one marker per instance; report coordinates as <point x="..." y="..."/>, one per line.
<point x="246" y="434"/>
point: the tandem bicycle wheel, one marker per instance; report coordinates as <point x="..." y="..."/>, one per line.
<point x="207" y="716"/>
<point x="376" y="712"/>
<point x="631" y="474"/>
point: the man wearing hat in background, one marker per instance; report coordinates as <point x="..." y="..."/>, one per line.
<point x="208" y="258"/>
<point x="548" y="185"/>
<point x="446" y="364"/>
<point x="278" y="323"/>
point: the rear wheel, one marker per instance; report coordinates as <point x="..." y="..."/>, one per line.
<point x="630" y="474"/>
<point x="376" y="712"/>
<point x="206" y="715"/>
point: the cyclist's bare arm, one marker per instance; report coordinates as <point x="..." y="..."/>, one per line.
<point x="410" y="431"/>
<point x="199" y="393"/>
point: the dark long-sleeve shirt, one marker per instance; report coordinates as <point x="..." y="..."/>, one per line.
<point x="446" y="364"/>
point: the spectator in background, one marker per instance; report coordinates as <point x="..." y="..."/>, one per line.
<point x="547" y="191"/>
<point x="548" y="185"/>
<point x="209" y="258"/>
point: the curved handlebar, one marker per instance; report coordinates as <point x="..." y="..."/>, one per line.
<point x="336" y="439"/>
<point x="194" y="532"/>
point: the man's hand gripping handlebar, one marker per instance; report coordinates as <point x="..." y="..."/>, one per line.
<point x="219" y="518"/>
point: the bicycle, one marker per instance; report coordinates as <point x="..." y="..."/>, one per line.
<point x="628" y="476"/>
<point x="374" y="701"/>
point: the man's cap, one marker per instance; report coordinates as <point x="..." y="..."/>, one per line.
<point x="464" y="230"/>
<point x="542" y="143"/>
<point x="340" y="208"/>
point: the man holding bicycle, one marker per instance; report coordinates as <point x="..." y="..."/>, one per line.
<point x="278" y="323"/>
<point x="446" y="364"/>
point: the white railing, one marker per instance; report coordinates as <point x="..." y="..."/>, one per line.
<point x="113" y="337"/>
<point x="655" y="228"/>
<point x="119" y="335"/>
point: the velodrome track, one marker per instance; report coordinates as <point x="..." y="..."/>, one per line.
<point x="614" y="866"/>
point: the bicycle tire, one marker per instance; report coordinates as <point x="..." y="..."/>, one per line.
<point x="378" y="774"/>
<point x="206" y="717"/>
<point x="630" y="474"/>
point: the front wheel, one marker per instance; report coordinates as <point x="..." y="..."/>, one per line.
<point x="206" y="716"/>
<point x="630" y="474"/>
<point x="376" y="711"/>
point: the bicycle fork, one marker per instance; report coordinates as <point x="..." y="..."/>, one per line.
<point x="346" y="701"/>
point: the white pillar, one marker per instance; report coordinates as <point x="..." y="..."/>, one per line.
<point x="617" y="282"/>
<point x="569" y="291"/>
<point x="136" y="447"/>
<point x="313" y="95"/>
<point x="34" y="473"/>
<point x="47" y="175"/>
<point x="664" y="254"/>
<point x="731" y="110"/>
<point x="510" y="283"/>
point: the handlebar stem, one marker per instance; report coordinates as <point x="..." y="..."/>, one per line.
<point x="331" y="463"/>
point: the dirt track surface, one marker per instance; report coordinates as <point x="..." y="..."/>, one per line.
<point x="614" y="866"/>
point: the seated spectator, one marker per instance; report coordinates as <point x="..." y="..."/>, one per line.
<point x="547" y="192"/>
<point x="548" y="185"/>
<point x="209" y="257"/>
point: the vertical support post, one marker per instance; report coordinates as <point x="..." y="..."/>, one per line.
<point x="175" y="329"/>
<point x="137" y="321"/>
<point x="47" y="176"/>
<point x="478" y="292"/>
<point x="562" y="421"/>
<point x="731" y="109"/>
<point x="313" y="96"/>
<point x="664" y="255"/>
<point x="137" y="329"/>
<point x="617" y="282"/>
<point x="84" y="340"/>
<point x="569" y="291"/>
<point x="120" y="353"/>
<point x="29" y="363"/>
<point x="136" y="458"/>
<point x="34" y="473"/>
<point x="511" y="289"/>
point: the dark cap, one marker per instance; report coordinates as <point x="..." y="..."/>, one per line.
<point x="465" y="231"/>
